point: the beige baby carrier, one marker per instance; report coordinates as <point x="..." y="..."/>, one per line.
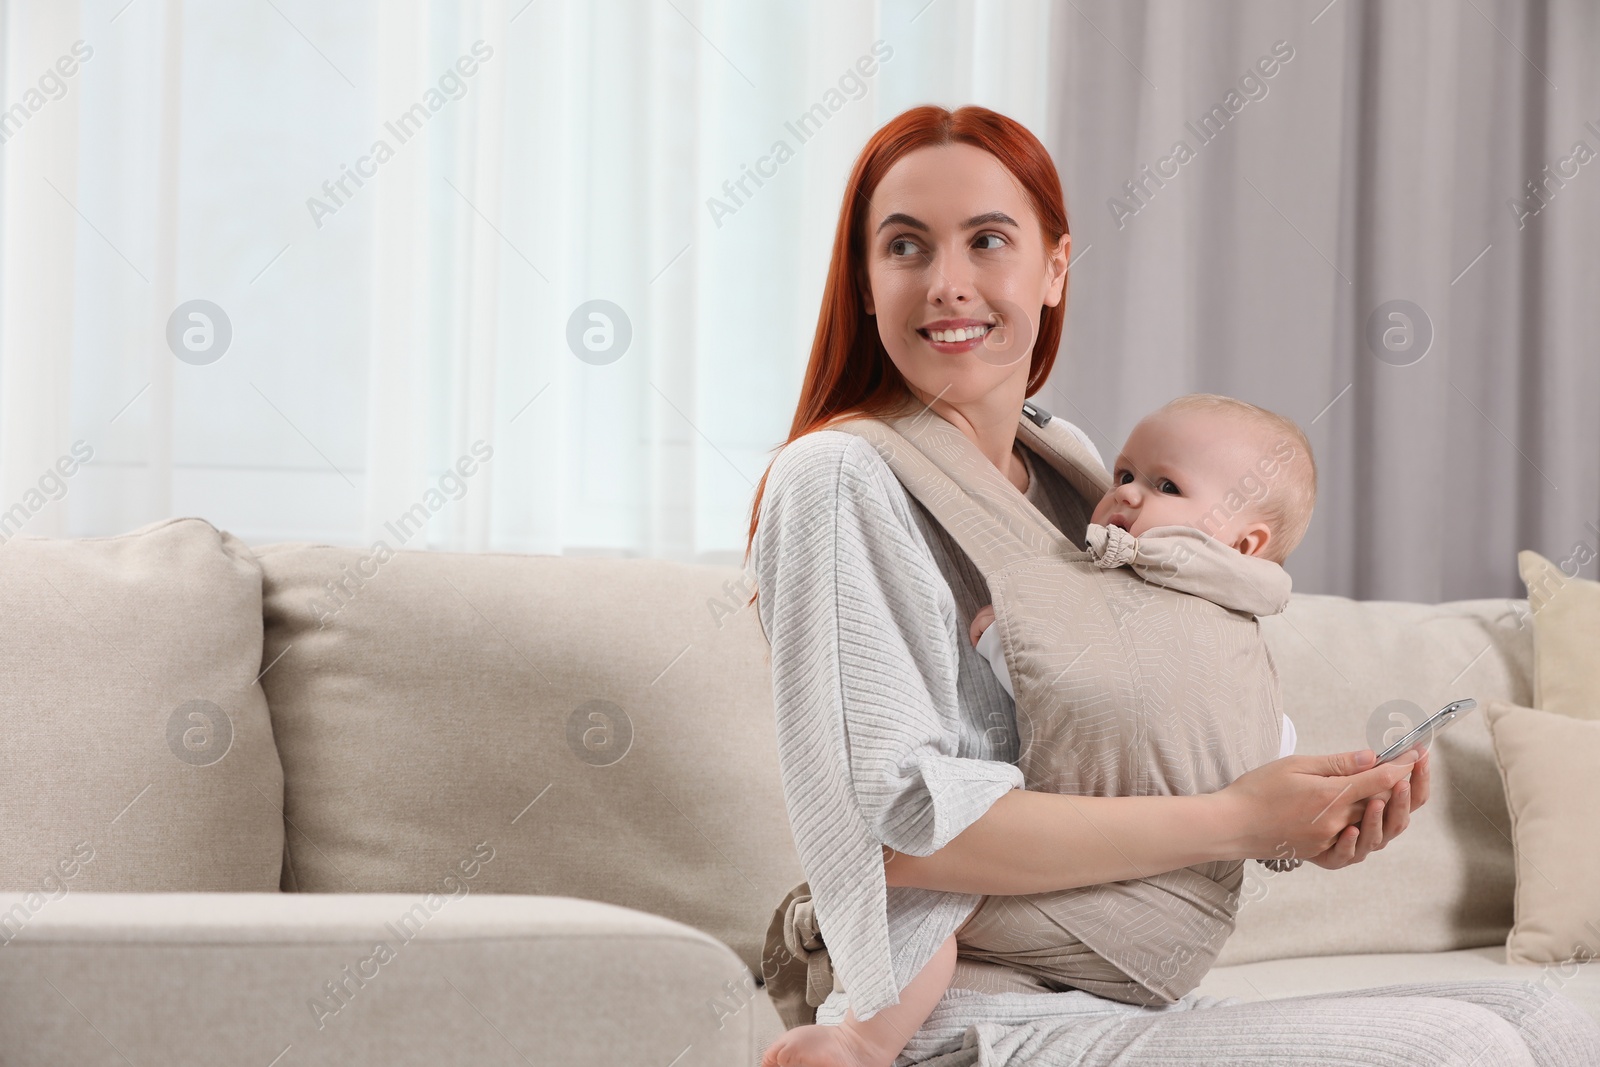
<point x="1124" y="687"/>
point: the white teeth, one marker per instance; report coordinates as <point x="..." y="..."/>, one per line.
<point x="965" y="334"/>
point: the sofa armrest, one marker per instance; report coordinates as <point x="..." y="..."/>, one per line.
<point x="290" y="979"/>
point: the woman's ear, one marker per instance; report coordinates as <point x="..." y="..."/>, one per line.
<point x="1253" y="539"/>
<point x="1056" y="271"/>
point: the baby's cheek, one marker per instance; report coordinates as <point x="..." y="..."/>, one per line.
<point x="1175" y="511"/>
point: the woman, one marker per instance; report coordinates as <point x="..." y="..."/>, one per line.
<point x="898" y="747"/>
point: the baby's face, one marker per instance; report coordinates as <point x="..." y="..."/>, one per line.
<point x="1185" y="468"/>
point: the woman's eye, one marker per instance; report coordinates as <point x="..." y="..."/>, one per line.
<point x="1167" y="486"/>
<point x="896" y="243"/>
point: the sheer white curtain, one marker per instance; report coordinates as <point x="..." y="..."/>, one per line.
<point x="398" y="312"/>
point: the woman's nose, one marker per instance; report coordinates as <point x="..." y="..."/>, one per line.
<point x="950" y="281"/>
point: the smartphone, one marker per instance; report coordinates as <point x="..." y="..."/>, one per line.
<point x="1433" y="727"/>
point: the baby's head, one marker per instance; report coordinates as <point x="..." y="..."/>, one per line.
<point x="1240" y="473"/>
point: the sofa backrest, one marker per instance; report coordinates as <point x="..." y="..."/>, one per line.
<point x="136" y="753"/>
<point x="603" y="727"/>
<point x="421" y="705"/>
<point x="1448" y="881"/>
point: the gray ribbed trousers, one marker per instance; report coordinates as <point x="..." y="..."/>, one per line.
<point x="1469" y="1023"/>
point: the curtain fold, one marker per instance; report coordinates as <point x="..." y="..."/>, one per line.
<point x="397" y="380"/>
<point x="37" y="265"/>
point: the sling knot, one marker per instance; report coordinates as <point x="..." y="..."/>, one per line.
<point x="1111" y="546"/>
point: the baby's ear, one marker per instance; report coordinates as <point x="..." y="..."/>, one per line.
<point x="1253" y="539"/>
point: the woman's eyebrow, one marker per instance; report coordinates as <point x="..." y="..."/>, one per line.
<point x="901" y="219"/>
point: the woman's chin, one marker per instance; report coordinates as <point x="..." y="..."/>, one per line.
<point x="956" y="380"/>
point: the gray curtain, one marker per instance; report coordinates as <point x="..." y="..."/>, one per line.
<point x="1394" y="239"/>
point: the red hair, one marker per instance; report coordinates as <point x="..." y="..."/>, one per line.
<point x="850" y="373"/>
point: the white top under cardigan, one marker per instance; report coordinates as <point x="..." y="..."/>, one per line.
<point x="892" y="729"/>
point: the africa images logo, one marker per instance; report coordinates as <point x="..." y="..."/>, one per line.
<point x="851" y="85"/>
<point x="452" y="86"/>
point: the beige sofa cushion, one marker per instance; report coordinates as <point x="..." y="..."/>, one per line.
<point x="1566" y="634"/>
<point x="605" y="725"/>
<point x="136" y="750"/>
<point x="361" y="980"/>
<point x="1548" y="764"/>
<point x="1447" y="882"/>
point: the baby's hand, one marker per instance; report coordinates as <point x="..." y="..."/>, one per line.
<point x="981" y="621"/>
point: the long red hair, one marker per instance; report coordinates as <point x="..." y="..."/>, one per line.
<point x="850" y="373"/>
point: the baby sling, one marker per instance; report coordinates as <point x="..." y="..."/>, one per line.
<point x="1124" y="687"/>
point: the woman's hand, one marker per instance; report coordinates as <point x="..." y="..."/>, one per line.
<point x="1331" y="809"/>
<point x="1387" y="815"/>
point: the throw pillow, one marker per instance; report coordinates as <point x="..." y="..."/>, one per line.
<point x="1547" y="764"/>
<point x="1566" y="633"/>
<point x="136" y="751"/>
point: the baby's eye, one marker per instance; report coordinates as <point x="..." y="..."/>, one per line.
<point x="1124" y="477"/>
<point x="1166" y="485"/>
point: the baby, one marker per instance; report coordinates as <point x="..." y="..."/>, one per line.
<point x="1240" y="474"/>
<point x="1206" y="462"/>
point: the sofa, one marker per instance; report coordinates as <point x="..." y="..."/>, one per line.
<point x="306" y="804"/>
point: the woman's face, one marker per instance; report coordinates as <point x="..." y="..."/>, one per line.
<point x="954" y="245"/>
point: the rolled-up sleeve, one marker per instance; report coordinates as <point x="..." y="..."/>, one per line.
<point x="863" y="632"/>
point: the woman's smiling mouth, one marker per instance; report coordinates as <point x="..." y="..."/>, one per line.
<point x="955" y="335"/>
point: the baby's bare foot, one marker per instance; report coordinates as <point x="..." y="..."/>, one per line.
<point x="823" y="1046"/>
<point x="981" y="621"/>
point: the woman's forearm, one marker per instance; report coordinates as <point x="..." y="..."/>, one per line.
<point x="1032" y="842"/>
